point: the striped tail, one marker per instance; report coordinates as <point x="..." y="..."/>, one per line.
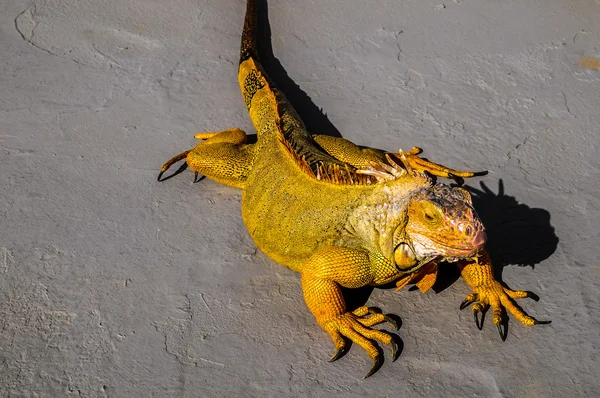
<point x="248" y="47"/>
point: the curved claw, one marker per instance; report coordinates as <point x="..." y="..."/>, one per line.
<point x="503" y="330"/>
<point x="196" y="179"/>
<point x="391" y="321"/>
<point x="470" y="299"/>
<point x="339" y="353"/>
<point x="160" y="175"/>
<point x="377" y="362"/>
<point x="465" y="304"/>
<point x="536" y="322"/>
<point x="476" y="315"/>
<point x="397" y="347"/>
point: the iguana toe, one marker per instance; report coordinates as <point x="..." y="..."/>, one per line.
<point x="352" y="327"/>
<point x="376" y="317"/>
<point x="411" y="160"/>
<point x="171" y="162"/>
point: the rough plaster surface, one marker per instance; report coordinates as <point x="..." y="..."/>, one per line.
<point x="115" y="285"/>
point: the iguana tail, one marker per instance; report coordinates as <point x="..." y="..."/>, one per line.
<point x="248" y="47"/>
<point x="270" y="111"/>
<point x="275" y="119"/>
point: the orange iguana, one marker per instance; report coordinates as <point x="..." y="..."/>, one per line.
<point x="343" y="216"/>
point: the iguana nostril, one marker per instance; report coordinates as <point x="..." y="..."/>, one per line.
<point x="469" y="230"/>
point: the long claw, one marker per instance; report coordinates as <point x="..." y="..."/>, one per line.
<point x="391" y="321"/>
<point x="397" y="347"/>
<point x="466" y="302"/>
<point x="196" y="179"/>
<point x="160" y="175"/>
<point x="536" y="322"/>
<point x="502" y="330"/>
<point x="475" y="314"/>
<point x="339" y="353"/>
<point x="377" y="362"/>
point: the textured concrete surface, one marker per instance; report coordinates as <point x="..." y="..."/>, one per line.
<point x="115" y="285"/>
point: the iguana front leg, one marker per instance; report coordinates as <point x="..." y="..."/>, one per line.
<point x="488" y="291"/>
<point x="322" y="278"/>
<point x="223" y="157"/>
<point x="361" y="158"/>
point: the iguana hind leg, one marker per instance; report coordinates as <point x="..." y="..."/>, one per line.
<point x="222" y="156"/>
<point x="322" y="278"/>
<point x="361" y="158"/>
<point x="348" y="152"/>
<point x="412" y="160"/>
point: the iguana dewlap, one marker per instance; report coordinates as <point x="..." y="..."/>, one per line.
<point x="343" y="216"/>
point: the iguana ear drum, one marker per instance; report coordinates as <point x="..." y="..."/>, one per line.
<point x="404" y="256"/>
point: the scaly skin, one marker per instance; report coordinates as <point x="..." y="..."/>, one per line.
<point x="343" y="216"/>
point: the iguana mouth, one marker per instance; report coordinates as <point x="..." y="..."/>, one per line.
<point x="462" y="252"/>
<point x="472" y="246"/>
<point x="453" y="253"/>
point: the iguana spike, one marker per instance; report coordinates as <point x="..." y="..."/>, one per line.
<point x="397" y="170"/>
<point x="375" y="169"/>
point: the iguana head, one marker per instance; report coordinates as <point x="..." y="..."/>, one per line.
<point x="441" y="223"/>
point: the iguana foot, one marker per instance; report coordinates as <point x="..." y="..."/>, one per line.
<point x="171" y="162"/>
<point x="411" y="160"/>
<point x="487" y="291"/>
<point x="356" y="326"/>
<point x="221" y="156"/>
<point x="500" y="299"/>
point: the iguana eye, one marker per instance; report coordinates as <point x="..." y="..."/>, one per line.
<point x="431" y="214"/>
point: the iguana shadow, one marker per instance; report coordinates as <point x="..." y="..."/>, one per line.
<point x="517" y="234"/>
<point x="314" y="119"/>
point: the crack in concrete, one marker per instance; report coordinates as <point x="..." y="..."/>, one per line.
<point x="29" y="39"/>
<point x="567" y="104"/>
<point x="110" y="59"/>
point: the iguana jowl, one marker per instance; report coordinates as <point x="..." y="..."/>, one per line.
<point x="343" y="216"/>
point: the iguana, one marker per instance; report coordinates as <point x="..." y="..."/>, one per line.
<point x="346" y="216"/>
